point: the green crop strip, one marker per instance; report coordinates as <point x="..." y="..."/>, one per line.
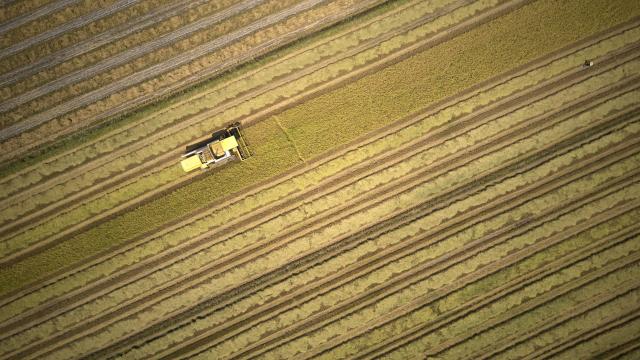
<point x="324" y="122"/>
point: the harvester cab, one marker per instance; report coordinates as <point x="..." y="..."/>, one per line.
<point x="223" y="146"/>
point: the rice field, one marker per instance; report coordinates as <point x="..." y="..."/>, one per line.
<point x="439" y="179"/>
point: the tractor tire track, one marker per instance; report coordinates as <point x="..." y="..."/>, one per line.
<point x="620" y="351"/>
<point x="184" y="251"/>
<point x="47" y="9"/>
<point x="68" y="26"/>
<point x="128" y="55"/>
<point x="575" y="338"/>
<point x="208" y="73"/>
<point x="103" y="38"/>
<point x="320" y="320"/>
<point x="89" y="293"/>
<point x="157" y="191"/>
<point x="376" y="261"/>
<point x="529" y="67"/>
<point x="80" y="198"/>
<point x="513" y="285"/>
<point x="186" y="57"/>
<point x="606" y="296"/>
<point x="312" y="256"/>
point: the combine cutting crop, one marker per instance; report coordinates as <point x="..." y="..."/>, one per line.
<point x="223" y="146"/>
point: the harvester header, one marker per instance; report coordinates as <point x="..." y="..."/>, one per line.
<point x="223" y="146"/>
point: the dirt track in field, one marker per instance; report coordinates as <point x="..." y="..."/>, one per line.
<point x="102" y="321"/>
<point x="85" y="294"/>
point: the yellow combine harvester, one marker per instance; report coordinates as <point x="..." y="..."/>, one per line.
<point x="223" y="146"/>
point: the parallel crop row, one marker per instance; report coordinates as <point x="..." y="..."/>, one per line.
<point x="428" y="251"/>
<point x="142" y="132"/>
<point x="215" y="219"/>
<point x="249" y="337"/>
<point x="88" y="55"/>
<point x="55" y="193"/>
<point x="281" y="255"/>
<point x="187" y="68"/>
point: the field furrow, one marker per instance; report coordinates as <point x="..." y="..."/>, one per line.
<point x="626" y="351"/>
<point x="14" y="16"/>
<point x="377" y="350"/>
<point x="575" y="337"/>
<point x="106" y="8"/>
<point x="382" y="257"/>
<point x="144" y="20"/>
<point x="253" y="263"/>
<point x="479" y="337"/>
<point x="533" y="307"/>
<point x="271" y="32"/>
<point x="124" y="57"/>
<point x="78" y="214"/>
<point x="487" y="287"/>
<point x="184" y="251"/>
<point x="385" y="306"/>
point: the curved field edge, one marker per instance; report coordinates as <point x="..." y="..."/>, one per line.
<point x="309" y="123"/>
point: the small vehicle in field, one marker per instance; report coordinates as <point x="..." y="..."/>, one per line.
<point x="223" y="146"/>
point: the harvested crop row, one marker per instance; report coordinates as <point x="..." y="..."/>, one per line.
<point x="181" y="198"/>
<point x="24" y="207"/>
<point x="507" y="328"/>
<point x="177" y="16"/>
<point x="441" y="306"/>
<point x="149" y="125"/>
<point x="52" y="22"/>
<point x="616" y="337"/>
<point x="157" y="123"/>
<point x="580" y="218"/>
<point x="615" y="294"/>
<point x="567" y="335"/>
<point x="17" y="13"/>
<point x="437" y="281"/>
<point x="474" y="199"/>
<point x="414" y="130"/>
<point x="271" y="258"/>
<point x="227" y="317"/>
<point x="188" y="68"/>
<point x="225" y="21"/>
<point x="220" y="217"/>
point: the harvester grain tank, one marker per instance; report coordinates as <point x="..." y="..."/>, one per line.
<point x="223" y="146"/>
